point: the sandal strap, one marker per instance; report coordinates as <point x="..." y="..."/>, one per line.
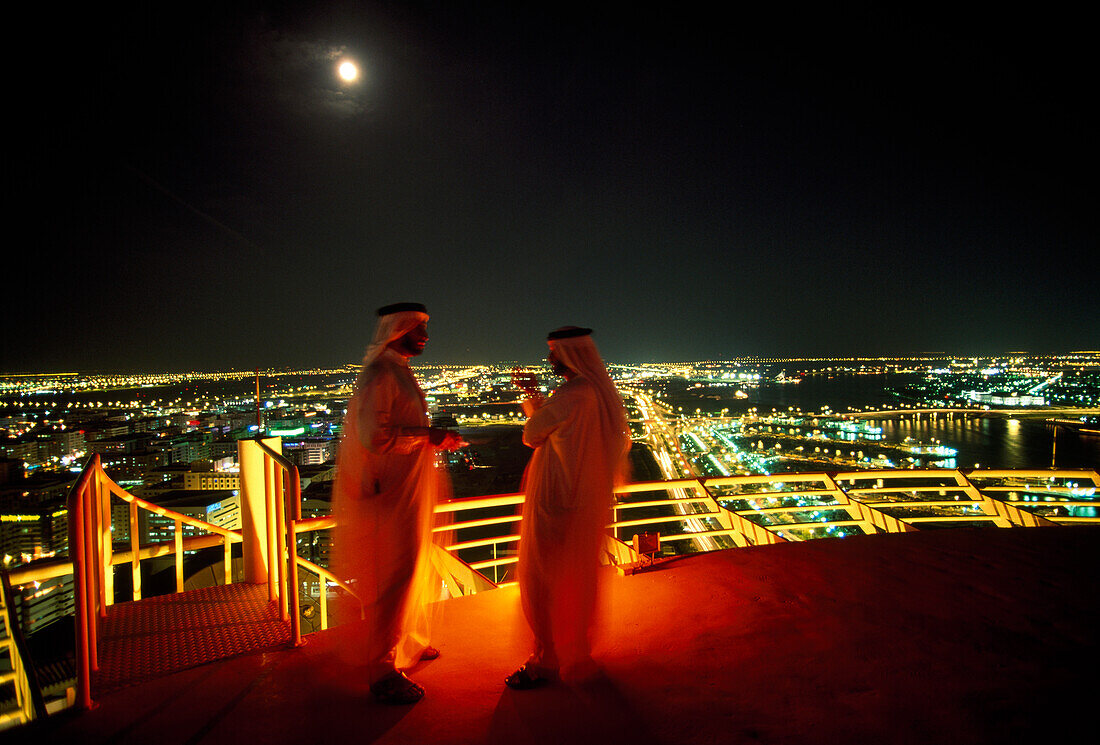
<point x="525" y="678"/>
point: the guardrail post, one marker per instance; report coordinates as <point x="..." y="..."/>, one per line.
<point x="293" y="515"/>
<point x="254" y="507"/>
<point x="278" y="504"/>
<point x="104" y="540"/>
<point x="81" y="591"/>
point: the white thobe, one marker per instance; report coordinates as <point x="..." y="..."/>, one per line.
<point x="568" y="486"/>
<point x="385" y="493"/>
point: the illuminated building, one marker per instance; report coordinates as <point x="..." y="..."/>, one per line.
<point x="42" y="603"/>
<point x="311" y="451"/>
<point x="198" y="504"/>
<point x="1005" y="399"/>
<point x="24" y="535"/>
<point x="211" y="481"/>
<point x="225" y="513"/>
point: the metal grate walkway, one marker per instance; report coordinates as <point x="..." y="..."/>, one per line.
<point x="156" y="636"/>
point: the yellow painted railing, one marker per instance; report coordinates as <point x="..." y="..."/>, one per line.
<point x="992" y="497"/>
<point x="283" y="497"/>
<point x="325" y="578"/>
<point x="495" y="522"/>
<point x="92" y="555"/>
<point x="23" y="676"/>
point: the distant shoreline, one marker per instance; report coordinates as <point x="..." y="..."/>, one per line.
<point x="1030" y="414"/>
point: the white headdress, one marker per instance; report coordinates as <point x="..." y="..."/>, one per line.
<point x="394" y="321"/>
<point x="575" y="349"/>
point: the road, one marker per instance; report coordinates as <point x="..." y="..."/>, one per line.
<point x="674" y="464"/>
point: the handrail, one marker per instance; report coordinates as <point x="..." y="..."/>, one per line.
<point x="52" y="568"/>
<point x="284" y="498"/>
<point x="324" y="576"/>
<point x="86" y="655"/>
<point x="137" y="552"/>
<point x="28" y="691"/>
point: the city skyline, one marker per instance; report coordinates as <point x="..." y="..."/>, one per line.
<point x="1083" y="359"/>
<point x="208" y="194"/>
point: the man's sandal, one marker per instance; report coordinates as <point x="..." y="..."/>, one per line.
<point x="429" y="653"/>
<point x="396" y="688"/>
<point x="525" y="679"/>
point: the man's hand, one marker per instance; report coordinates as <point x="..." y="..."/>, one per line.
<point x="445" y="439"/>
<point x="525" y="381"/>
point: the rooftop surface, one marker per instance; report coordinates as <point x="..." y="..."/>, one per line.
<point x="950" y="636"/>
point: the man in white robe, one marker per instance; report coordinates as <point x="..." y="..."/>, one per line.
<point x="580" y="437"/>
<point x="386" y="488"/>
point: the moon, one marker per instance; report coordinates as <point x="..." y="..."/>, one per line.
<point x="347" y="71"/>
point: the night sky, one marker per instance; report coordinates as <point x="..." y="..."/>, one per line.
<point x="204" y="193"/>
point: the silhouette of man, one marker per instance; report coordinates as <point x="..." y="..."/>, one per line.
<point x="386" y="488"/>
<point x="580" y="438"/>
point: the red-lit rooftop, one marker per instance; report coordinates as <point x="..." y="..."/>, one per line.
<point x="971" y="635"/>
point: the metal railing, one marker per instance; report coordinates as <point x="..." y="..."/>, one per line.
<point x="92" y="554"/>
<point x="283" y="499"/>
<point x="23" y="677"/>
<point x="692" y="511"/>
<point x="723" y="512"/>
<point x="991" y="497"/>
<point x="494" y="525"/>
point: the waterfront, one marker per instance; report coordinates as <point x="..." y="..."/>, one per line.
<point x="989" y="439"/>
<point x="997" y="440"/>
